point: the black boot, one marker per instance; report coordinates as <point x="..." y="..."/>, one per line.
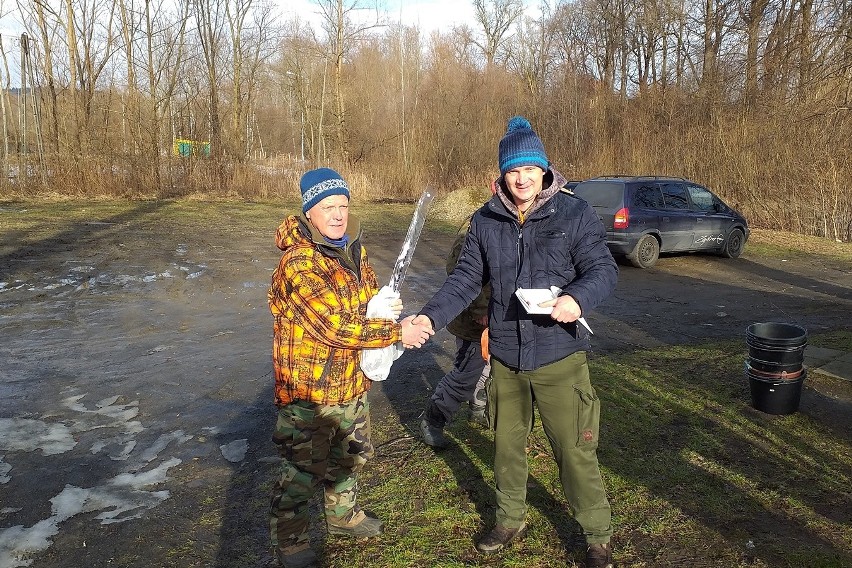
<point x="432" y="427"/>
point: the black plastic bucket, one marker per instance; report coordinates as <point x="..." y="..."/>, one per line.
<point x="775" y="396"/>
<point x="776" y="347"/>
<point x="775" y="335"/>
<point x="775" y="362"/>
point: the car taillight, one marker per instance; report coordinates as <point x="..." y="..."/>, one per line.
<point x="621" y="220"/>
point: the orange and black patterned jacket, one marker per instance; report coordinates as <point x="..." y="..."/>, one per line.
<point x="318" y="299"/>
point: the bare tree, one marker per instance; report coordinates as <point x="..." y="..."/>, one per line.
<point x="5" y="105"/>
<point x="236" y="12"/>
<point x="343" y="31"/>
<point x="89" y="27"/>
<point x="752" y="14"/>
<point x="210" y="19"/>
<point x="44" y="49"/>
<point x="496" y="18"/>
<point x="532" y="54"/>
<point x="129" y="18"/>
<point x="250" y="26"/>
<point x="716" y="21"/>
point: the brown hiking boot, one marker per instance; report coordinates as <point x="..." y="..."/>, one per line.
<point x="359" y="525"/>
<point x="499" y="538"/>
<point x="299" y="556"/>
<point x="599" y="556"/>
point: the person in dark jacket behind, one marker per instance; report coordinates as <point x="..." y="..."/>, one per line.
<point x="535" y="234"/>
<point x="465" y="382"/>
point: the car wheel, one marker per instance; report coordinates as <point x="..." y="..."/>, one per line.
<point x="734" y="244"/>
<point x="645" y="253"/>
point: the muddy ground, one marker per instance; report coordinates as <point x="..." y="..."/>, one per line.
<point x="135" y="386"/>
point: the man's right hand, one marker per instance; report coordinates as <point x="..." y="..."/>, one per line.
<point x="416" y="331"/>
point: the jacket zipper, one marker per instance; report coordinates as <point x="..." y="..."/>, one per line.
<point x="520" y="245"/>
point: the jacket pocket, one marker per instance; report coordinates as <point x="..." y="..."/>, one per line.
<point x="588" y="416"/>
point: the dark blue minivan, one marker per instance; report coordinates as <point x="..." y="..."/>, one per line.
<point x="647" y="215"/>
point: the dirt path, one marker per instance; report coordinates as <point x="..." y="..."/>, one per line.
<point x="135" y="394"/>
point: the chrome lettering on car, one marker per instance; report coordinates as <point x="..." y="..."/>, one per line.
<point x="709" y="238"/>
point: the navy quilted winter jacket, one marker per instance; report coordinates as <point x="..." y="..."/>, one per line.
<point x="562" y="243"/>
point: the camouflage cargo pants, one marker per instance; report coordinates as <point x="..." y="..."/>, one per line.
<point x="319" y="445"/>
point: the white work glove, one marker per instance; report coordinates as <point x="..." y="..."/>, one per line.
<point x="376" y="363"/>
<point x="385" y="304"/>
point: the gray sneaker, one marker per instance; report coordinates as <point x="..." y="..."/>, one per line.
<point x="478" y="416"/>
<point x="432" y="436"/>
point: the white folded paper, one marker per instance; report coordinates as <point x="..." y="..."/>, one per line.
<point x="530" y="299"/>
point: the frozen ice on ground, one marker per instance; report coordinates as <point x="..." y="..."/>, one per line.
<point x="235" y="451"/>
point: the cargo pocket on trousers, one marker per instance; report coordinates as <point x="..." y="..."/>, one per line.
<point x="491" y="404"/>
<point x="588" y="416"/>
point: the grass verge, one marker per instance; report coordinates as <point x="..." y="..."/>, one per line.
<point x="696" y="477"/>
<point x="26" y="224"/>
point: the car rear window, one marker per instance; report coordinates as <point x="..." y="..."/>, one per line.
<point x="675" y="196"/>
<point x="604" y="194"/>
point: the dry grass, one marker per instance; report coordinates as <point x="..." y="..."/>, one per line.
<point x="784" y="242"/>
<point x="458" y="205"/>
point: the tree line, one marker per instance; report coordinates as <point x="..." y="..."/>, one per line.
<point x="166" y="98"/>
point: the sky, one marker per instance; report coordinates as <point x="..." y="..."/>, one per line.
<point x="427" y="15"/>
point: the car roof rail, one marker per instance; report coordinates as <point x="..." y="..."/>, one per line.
<point x="661" y="177"/>
<point x="637" y="177"/>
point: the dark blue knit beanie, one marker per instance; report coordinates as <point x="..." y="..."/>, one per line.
<point x="520" y="146"/>
<point x="318" y="184"/>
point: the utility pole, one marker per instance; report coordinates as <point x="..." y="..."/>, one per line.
<point x="22" y="94"/>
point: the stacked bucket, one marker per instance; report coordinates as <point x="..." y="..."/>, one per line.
<point x="775" y="366"/>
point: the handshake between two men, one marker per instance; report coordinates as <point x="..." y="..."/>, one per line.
<point x="416" y="330"/>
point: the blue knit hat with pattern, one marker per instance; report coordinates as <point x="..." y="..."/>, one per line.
<point x="521" y="146"/>
<point x="318" y="184"/>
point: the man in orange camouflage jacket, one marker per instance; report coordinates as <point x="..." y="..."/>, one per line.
<point x="318" y="298"/>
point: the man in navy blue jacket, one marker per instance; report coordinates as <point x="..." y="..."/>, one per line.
<point x="535" y="234"/>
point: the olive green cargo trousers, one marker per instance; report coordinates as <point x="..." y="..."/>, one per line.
<point x="570" y="415"/>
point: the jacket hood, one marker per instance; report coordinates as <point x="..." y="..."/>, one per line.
<point x="296" y="229"/>
<point x="552" y="184"/>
